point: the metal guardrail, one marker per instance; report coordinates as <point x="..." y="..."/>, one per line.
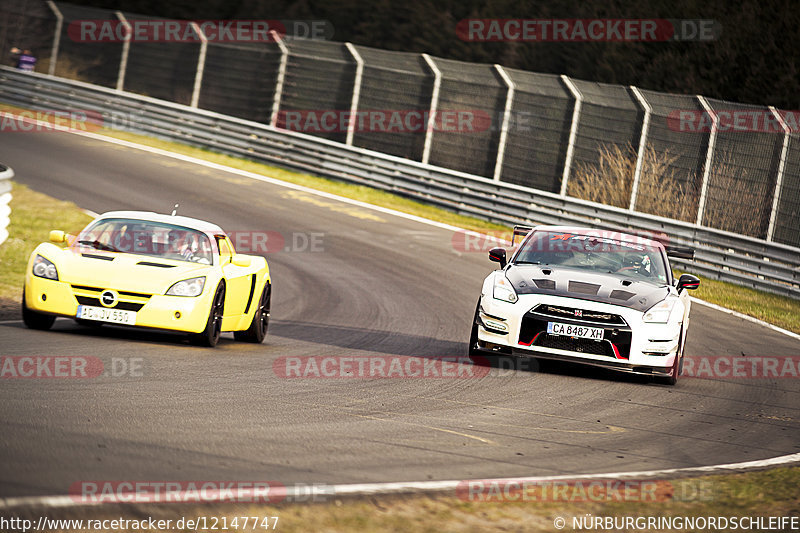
<point x="719" y="255"/>
<point x="5" y="201"/>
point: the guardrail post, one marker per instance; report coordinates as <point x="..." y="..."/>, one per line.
<point x="712" y="141"/>
<point x="437" y="84"/>
<point x="351" y="124"/>
<point x="573" y="131"/>
<point x="637" y="173"/>
<point x="276" y="101"/>
<point x="779" y="178"/>
<point x="56" y="37"/>
<point x="126" y="48"/>
<point x="501" y="145"/>
<point x="201" y="64"/>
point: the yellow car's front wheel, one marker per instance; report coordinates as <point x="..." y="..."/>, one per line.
<point x="210" y="335"/>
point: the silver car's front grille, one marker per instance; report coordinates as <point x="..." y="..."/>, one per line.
<point x="580" y="315"/>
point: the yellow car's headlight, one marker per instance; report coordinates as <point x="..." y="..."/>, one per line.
<point x="44" y="268"/>
<point x="188" y="287"/>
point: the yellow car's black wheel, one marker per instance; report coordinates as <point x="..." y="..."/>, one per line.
<point x="258" y="327"/>
<point x="210" y="335"/>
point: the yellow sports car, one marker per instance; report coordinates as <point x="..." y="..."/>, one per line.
<point x="153" y="271"/>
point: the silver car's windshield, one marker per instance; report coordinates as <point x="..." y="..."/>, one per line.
<point x="144" y="237"/>
<point x="606" y="253"/>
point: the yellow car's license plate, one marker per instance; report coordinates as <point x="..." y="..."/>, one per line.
<point x="103" y="314"/>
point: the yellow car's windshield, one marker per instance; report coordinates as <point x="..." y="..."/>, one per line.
<point x="144" y="237"/>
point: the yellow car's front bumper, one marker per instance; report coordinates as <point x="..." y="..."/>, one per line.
<point x="177" y="313"/>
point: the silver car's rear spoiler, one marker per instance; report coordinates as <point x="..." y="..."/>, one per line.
<point x="680" y="252"/>
<point x="520" y="230"/>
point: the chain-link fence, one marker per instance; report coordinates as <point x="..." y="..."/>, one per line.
<point x="787" y="213"/>
<point x="239" y="80"/>
<point x="538" y="131"/>
<point x="606" y="135"/>
<point x="741" y="181"/>
<point x="675" y="157"/>
<point x="471" y="99"/>
<point x="394" y="82"/>
<point x="83" y="58"/>
<point x="318" y="88"/>
<point x="26" y="25"/>
<point x="723" y="165"/>
<point x="164" y="70"/>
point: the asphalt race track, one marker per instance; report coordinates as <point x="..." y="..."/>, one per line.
<point x="380" y="285"/>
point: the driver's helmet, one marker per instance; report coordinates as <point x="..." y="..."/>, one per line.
<point x="637" y="261"/>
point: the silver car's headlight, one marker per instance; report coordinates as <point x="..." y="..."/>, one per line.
<point x="44" y="268"/>
<point x="503" y="290"/>
<point x="188" y="287"/>
<point x="660" y="313"/>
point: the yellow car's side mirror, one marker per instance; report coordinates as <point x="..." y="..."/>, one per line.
<point x="241" y="260"/>
<point x="58" y="236"/>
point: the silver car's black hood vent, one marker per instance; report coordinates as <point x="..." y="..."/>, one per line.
<point x="586" y="285"/>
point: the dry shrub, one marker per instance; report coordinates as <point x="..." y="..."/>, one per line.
<point x="73" y="69"/>
<point x="661" y="191"/>
<point x="609" y="182"/>
<point x="735" y="202"/>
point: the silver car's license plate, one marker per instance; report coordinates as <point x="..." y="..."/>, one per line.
<point x="572" y="330"/>
<point x="103" y="314"/>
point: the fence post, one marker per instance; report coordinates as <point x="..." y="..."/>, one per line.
<point x="637" y="173"/>
<point x="437" y="84"/>
<point x="501" y="145"/>
<point x="201" y="64"/>
<point x="573" y="131"/>
<point x="712" y="141"/>
<point x="773" y="216"/>
<point x="56" y="37"/>
<point x="351" y="123"/>
<point x="276" y="102"/>
<point x="126" y="48"/>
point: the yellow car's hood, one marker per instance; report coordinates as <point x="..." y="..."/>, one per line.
<point x="124" y="272"/>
